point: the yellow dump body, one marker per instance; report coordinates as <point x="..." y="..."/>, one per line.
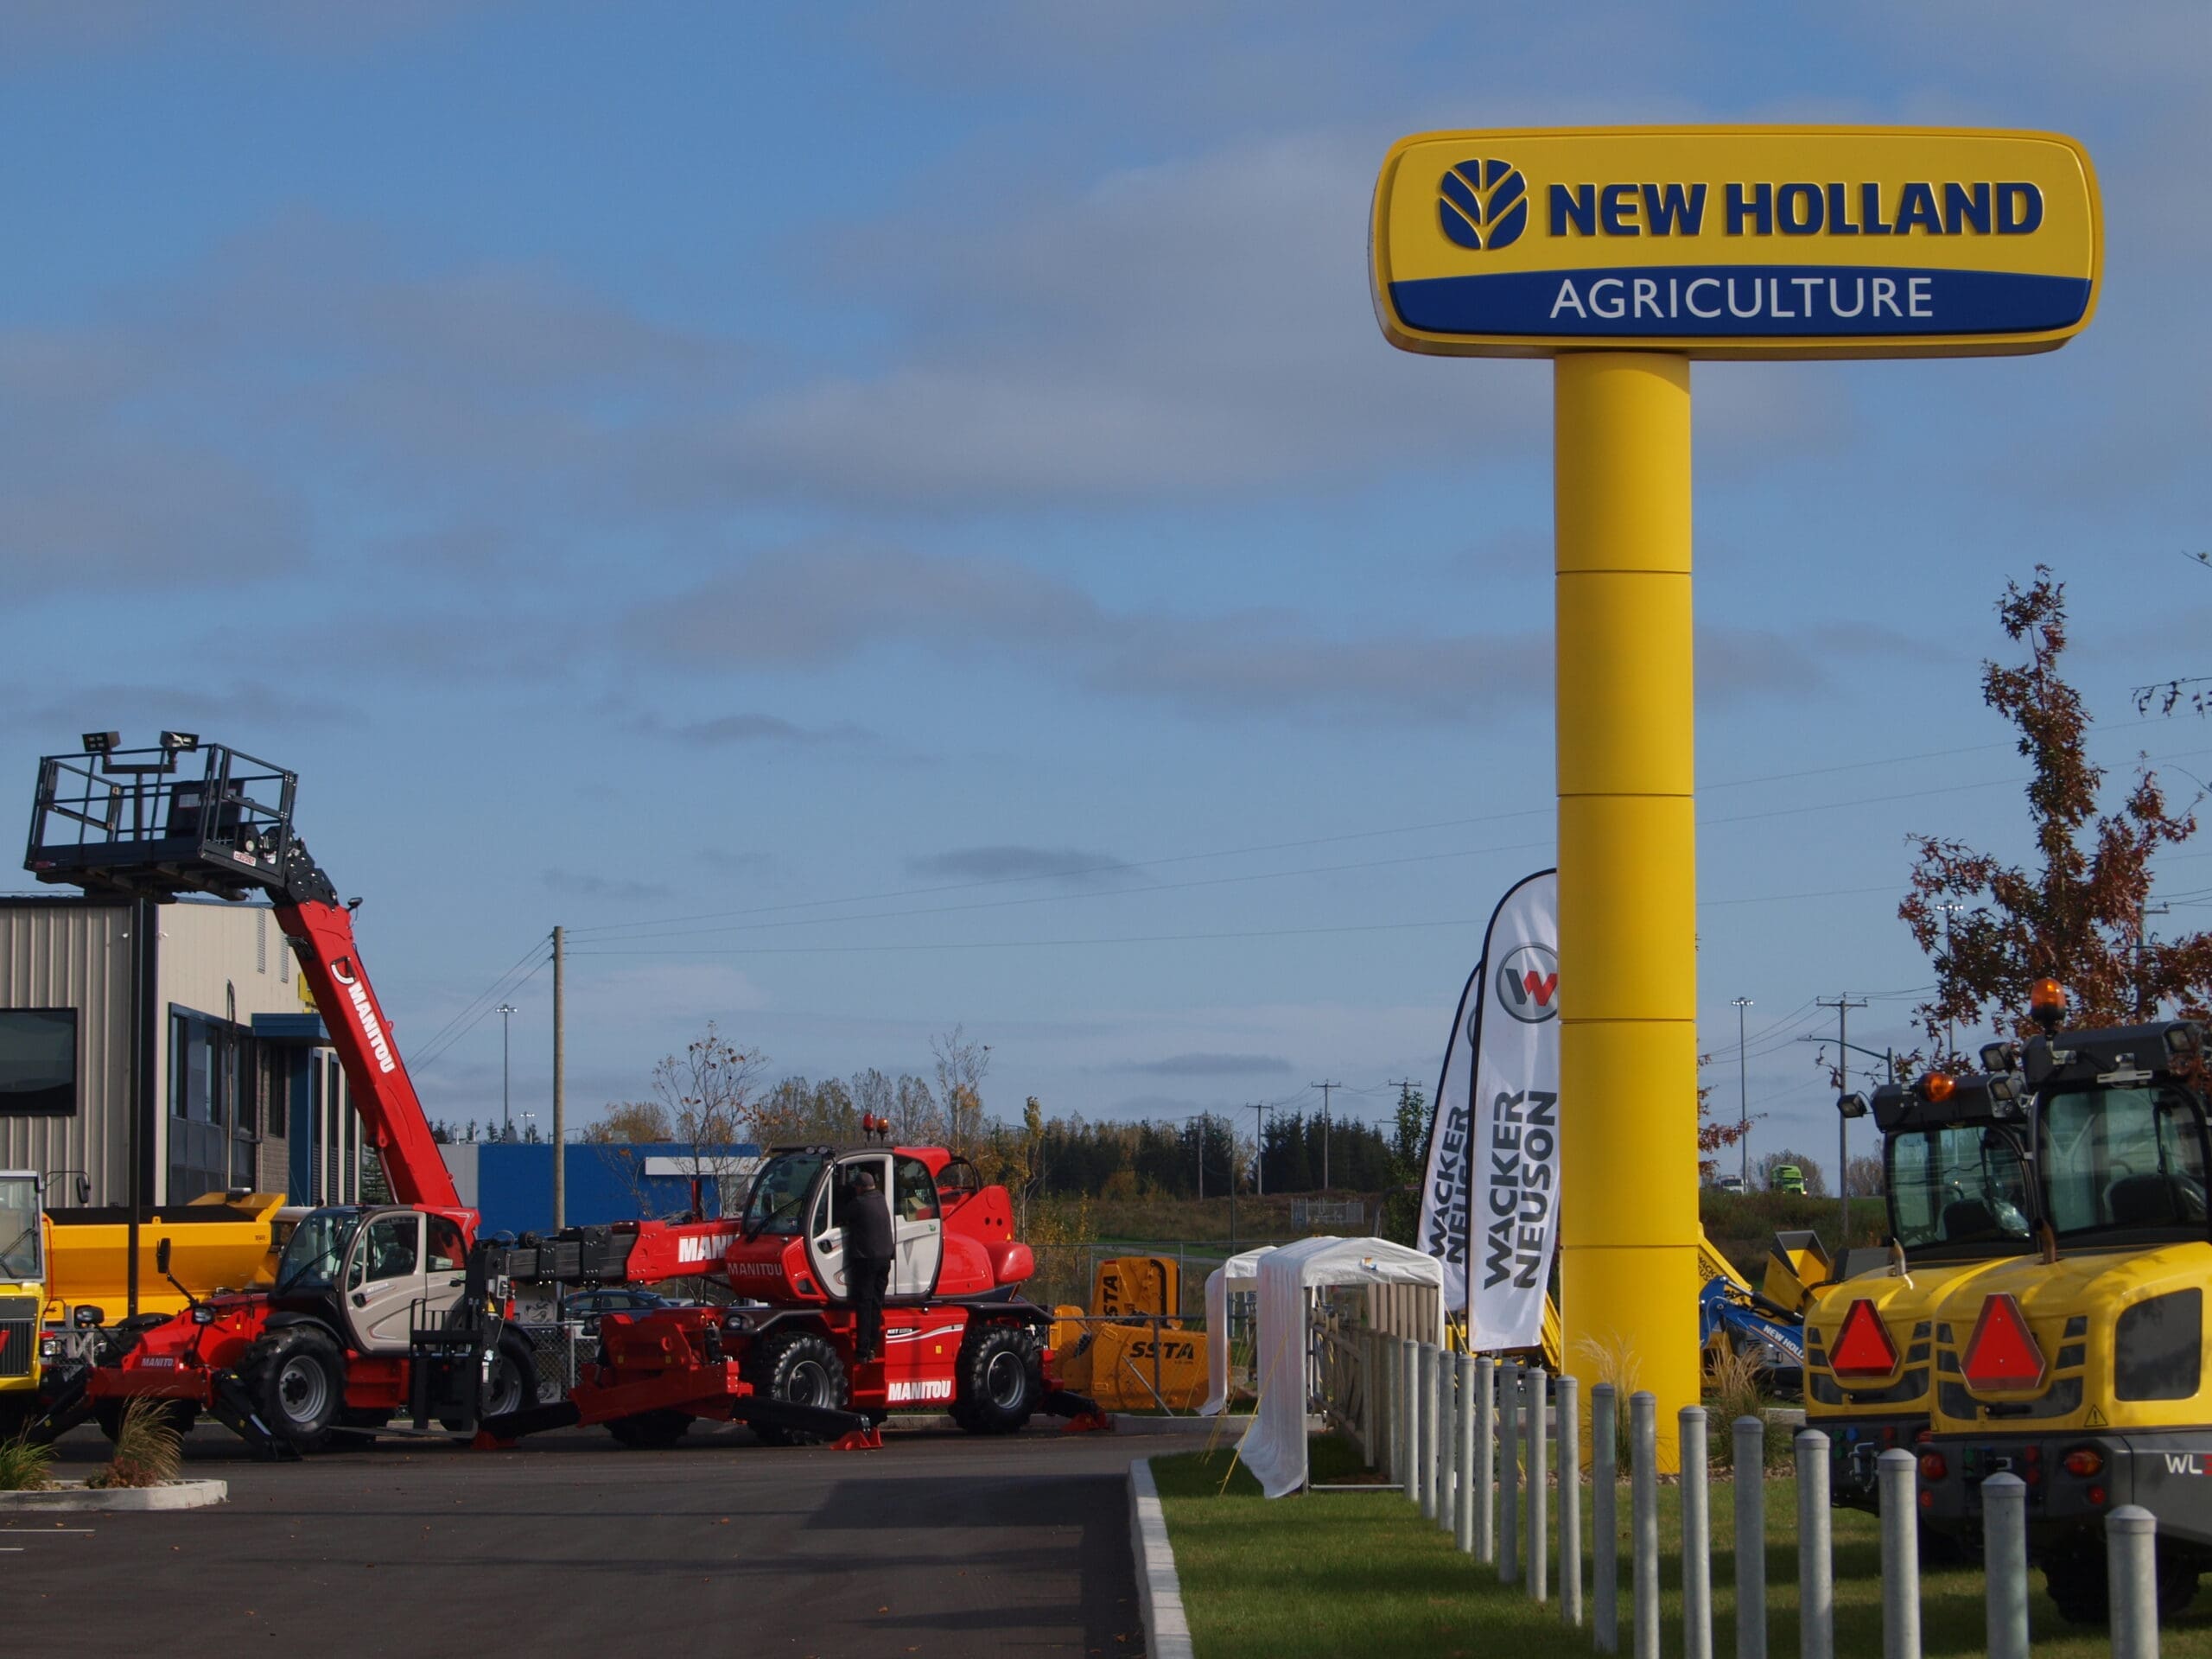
<point x="215" y="1243"/>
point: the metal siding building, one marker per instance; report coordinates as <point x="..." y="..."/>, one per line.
<point x="74" y="954"/>
<point x="231" y="1085"/>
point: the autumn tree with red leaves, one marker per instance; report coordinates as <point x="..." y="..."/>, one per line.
<point x="2078" y="917"/>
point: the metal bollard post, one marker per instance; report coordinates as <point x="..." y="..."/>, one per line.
<point x="1447" y="1441"/>
<point x="1644" y="1505"/>
<point x="1425" y="1405"/>
<point x="1486" y="1459"/>
<point x="1392" y="1416"/>
<point x="1815" y="1568"/>
<point x="1386" y="1420"/>
<point x="1471" y="1494"/>
<point x="1900" y="1555"/>
<point x="1540" y="1543"/>
<point x="1751" y="1538"/>
<point x="1508" y="1474"/>
<point x="2005" y="1554"/>
<point x="1568" y="1395"/>
<point x="2131" y="1558"/>
<point x="1604" y="1519"/>
<point x="1409" y="1362"/>
<point x="1697" y="1536"/>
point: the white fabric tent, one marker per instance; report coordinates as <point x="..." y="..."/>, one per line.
<point x="1238" y="1272"/>
<point x="1274" y="1448"/>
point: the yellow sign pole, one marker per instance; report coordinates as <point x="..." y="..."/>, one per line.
<point x="1622" y="253"/>
<point x="1628" y="874"/>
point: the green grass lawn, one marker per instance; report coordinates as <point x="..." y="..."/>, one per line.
<point x="1333" y="1573"/>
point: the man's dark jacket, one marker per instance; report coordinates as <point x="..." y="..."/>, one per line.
<point x="867" y="1229"/>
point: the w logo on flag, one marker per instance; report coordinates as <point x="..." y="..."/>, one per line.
<point x="1484" y="204"/>
<point x="1527" y="984"/>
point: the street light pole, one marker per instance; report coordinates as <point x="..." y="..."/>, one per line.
<point x="1951" y="907"/>
<point x="507" y="1011"/>
<point x="1742" y="1100"/>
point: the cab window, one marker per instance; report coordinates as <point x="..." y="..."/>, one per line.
<point x="391" y="1246"/>
<point x="2123" y="1160"/>
<point x="446" y="1248"/>
<point x="917" y="1190"/>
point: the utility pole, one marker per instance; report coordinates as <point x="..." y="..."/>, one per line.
<point x="1202" y="1157"/>
<point x="1260" y="1150"/>
<point x="560" y="1082"/>
<point x="1950" y="907"/>
<point x="507" y="1011"/>
<point x="1742" y="1100"/>
<point x="1325" y="1087"/>
<point x="2145" y="1006"/>
<point x="1843" y="1005"/>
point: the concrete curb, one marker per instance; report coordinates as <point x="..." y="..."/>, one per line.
<point x="76" y="1497"/>
<point x="1159" y="1594"/>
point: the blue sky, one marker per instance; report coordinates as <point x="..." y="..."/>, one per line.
<point x="775" y="489"/>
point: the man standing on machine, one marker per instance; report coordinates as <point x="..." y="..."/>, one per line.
<point x="869" y="1247"/>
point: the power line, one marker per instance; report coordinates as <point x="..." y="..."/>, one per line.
<point x="479" y="1006"/>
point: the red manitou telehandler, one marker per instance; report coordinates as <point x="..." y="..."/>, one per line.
<point x="330" y="1347"/>
<point x="783" y="1359"/>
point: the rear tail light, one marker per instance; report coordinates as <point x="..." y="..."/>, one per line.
<point x="1927" y="1499"/>
<point x="2085" y="1461"/>
<point x="1933" y="1466"/>
<point x="2096" y="1497"/>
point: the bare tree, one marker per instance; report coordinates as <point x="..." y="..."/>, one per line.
<point x="915" y="1118"/>
<point x="705" y="1100"/>
<point x="961" y="1065"/>
<point x="1865" y="1178"/>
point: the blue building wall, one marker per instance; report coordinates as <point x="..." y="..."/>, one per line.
<point x="510" y="1183"/>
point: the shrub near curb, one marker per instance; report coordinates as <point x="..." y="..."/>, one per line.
<point x="148" y="1452"/>
<point x="24" y="1464"/>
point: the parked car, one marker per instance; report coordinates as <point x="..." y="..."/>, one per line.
<point x="589" y="1305"/>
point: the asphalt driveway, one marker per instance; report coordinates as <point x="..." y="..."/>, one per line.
<point x="941" y="1543"/>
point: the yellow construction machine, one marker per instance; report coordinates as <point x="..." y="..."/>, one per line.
<point x="66" y="1278"/>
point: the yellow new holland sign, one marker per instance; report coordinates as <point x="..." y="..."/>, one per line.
<point x="1736" y="242"/>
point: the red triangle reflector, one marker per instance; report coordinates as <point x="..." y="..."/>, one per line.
<point x="2002" y="1352"/>
<point x="1863" y="1348"/>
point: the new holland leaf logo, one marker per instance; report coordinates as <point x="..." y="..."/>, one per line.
<point x="1484" y="204"/>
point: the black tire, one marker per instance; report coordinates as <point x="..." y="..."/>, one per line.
<point x="801" y="1369"/>
<point x="650" y="1431"/>
<point x="1002" y="1378"/>
<point x="513" y="1385"/>
<point x="2077" y="1576"/>
<point x="296" y="1377"/>
<point x="108" y="1414"/>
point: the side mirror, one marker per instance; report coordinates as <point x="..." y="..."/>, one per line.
<point x="162" y="1257"/>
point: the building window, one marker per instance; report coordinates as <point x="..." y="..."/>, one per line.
<point x="38" y="1063"/>
<point x="213" y="1119"/>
